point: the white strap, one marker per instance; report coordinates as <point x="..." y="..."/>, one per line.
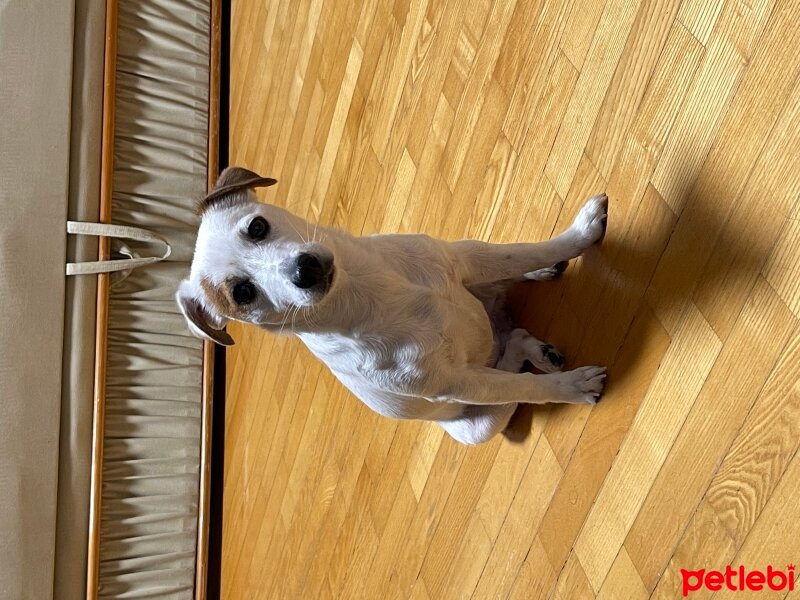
<point x="115" y="231"/>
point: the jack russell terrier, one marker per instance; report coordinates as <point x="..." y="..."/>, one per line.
<point x="413" y="326"/>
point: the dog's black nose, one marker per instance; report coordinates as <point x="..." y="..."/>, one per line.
<point x="311" y="271"/>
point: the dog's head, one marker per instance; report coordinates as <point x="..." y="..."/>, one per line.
<point x="251" y="262"/>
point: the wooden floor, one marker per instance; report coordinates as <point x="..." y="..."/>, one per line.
<point x="495" y="120"/>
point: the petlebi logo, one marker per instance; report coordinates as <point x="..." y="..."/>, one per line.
<point x="738" y="580"/>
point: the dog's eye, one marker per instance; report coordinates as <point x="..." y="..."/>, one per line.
<point x="244" y="292"/>
<point x="258" y="229"/>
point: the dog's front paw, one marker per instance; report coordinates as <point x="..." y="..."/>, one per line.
<point x="582" y="385"/>
<point x="590" y="224"/>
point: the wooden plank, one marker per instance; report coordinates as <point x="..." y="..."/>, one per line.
<point x="103" y="290"/>
<point x="410" y="546"/>
<point x="757" y="340"/>
<point x="347" y="527"/>
<point x="535" y="577"/>
<point x="623" y="580"/>
<point x="535" y="70"/>
<point x="523" y="198"/>
<point x="596" y="74"/>
<point x="783" y="267"/>
<point x="693" y="133"/>
<point x="743" y="249"/>
<point x="699" y="17"/>
<point x="628" y="381"/>
<point x="537" y="487"/>
<point x="704" y="543"/>
<point x="518" y="38"/>
<point x="270" y="483"/>
<point x="771" y="542"/>
<point x="266" y="461"/>
<point x="397" y="78"/>
<point x="725" y="172"/>
<point x="638" y="462"/>
<point x="207" y="397"/>
<point x="333" y="137"/>
<point x="427" y="168"/>
<point x="391" y="475"/>
<point x="763" y="447"/>
<point x="572" y="582"/>
<point x="772" y="539"/>
<point x="491" y="511"/>
<point x="671" y="80"/>
<point x="643" y="49"/>
<point x="422" y="456"/>
<point x="474" y="105"/>
<point x="579" y="31"/>
<point x="448" y="538"/>
<point x="429" y="68"/>
<point x="478" y="154"/>
<point x="493" y="191"/>
<point x="730" y="49"/>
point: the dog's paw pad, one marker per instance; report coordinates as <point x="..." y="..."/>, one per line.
<point x="553" y="356"/>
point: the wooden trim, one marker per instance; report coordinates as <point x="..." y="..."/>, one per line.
<point x="213" y="92"/>
<point x="201" y="568"/>
<point x="103" y="283"/>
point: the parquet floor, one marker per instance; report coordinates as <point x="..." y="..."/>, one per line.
<point x="495" y="120"/>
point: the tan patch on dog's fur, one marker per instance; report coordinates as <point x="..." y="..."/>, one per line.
<point x="219" y="297"/>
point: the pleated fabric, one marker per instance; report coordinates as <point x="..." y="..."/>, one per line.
<point x="153" y="389"/>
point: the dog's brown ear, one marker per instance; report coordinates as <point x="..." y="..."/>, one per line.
<point x="231" y="181"/>
<point x="200" y="321"/>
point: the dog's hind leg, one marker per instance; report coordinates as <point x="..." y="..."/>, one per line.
<point x="522" y="346"/>
<point x="479" y="424"/>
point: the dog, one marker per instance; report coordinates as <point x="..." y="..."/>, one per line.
<point x="415" y="327"/>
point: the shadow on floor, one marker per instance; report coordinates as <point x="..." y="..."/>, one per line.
<point x="652" y="262"/>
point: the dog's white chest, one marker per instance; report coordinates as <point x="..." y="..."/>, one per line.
<point x="392" y="360"/>
<point x="441" y="327"/>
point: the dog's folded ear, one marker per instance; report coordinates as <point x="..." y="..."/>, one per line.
<point x="231" y="182"/>
<point x="200" y="319"/>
